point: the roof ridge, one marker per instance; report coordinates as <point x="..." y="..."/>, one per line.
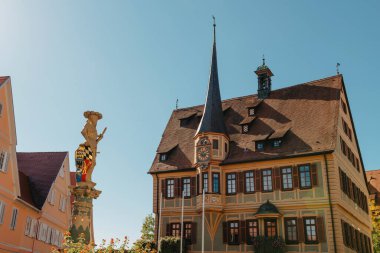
<point x="255" y="95"/>
<point x="42" y="152"/>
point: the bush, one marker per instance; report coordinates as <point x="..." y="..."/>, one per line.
<point x="170" y="244"/>
<point x="144" y="246"/>
<point x="70" y="246"/>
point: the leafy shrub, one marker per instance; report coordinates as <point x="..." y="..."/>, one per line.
<point x="170" y="244"/>
<point x="69" y="246"/>
<point x="144" y="246"/>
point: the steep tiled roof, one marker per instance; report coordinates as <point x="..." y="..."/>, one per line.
<point x="305" y="114"/>
<point x="37" y="172"/>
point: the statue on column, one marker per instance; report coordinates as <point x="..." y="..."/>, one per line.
<point x="85" y="155"/>
<point x="84" y="191"/>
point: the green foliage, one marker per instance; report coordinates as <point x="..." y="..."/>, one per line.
<point x="262" y="244"/>
<point x="375" y="225"/>
<point x="80" y="245"/>
<point x="147" y="230"/>
<point x="144" y="246"/>
<point x="170" y="244"/>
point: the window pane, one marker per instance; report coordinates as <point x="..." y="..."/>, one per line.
<point x="231" y="183"/>
<point x="249" y="181"/>
<point x="305" y="178"/>
<point x="186" y="187"/>
<point x="170" y="188"/>
<point x="267" y="180"/>
<point x="253" y="230"/>
<point x="205" y="182"/>
<point x="287" y="178"/>
<point x="270" y="228"/>
<point x="310" y="229"/>
<point x="215" y="183"/>
<point x="291" y="230"/>
<point x="233" y="232"/>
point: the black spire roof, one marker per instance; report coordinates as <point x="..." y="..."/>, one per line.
<point x="212" y="120"/>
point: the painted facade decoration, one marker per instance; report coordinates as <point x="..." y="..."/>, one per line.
<point x="84" y="191"/>
<point x="281" y="171"/>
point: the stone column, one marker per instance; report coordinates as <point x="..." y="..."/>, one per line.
<point x="84" y="193"/>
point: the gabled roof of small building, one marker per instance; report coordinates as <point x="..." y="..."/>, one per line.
<point x="3" y="79"/>
<point x="37" y="173"/>
<point x="267" y="208"/>
<point x="309" y="113"/>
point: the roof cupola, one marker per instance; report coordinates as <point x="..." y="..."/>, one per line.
<point x="264" y="75"/>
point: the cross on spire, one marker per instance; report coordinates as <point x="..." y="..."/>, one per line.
<point x="213" y="17"/>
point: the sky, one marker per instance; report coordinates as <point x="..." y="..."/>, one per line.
<point x="131" y="60"/>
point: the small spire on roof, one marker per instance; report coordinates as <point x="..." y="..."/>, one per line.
<point x="263" y="60"/>
<point x="176" y="104"/>
<point x="337" y="68"/>
<point x="213" y="17"/>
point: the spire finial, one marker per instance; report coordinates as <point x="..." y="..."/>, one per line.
<point x="263" y="59"/>
<point x="213" y="17"/>
<point x="337" y="68"/>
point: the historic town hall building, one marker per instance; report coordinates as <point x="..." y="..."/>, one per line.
<point x="280" y="163"/>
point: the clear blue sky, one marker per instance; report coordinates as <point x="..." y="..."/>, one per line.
<point x="131" y="60"/>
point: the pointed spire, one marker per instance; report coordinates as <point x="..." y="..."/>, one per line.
<point x="212" y="119"/>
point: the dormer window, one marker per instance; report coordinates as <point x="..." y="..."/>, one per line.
<point x="245" y="128"/>
<point x="163" y="157"/>
<point x="251" y="111"/>
<point x="277" y="143"/>
<point x="260" y="145"/>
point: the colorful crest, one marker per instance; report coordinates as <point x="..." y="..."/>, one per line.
<point x="83" y="162"/>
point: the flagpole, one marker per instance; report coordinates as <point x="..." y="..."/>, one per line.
<point x="159" y="223"/>
<point x="203" y="222"/>
<point x="183" y="200"/>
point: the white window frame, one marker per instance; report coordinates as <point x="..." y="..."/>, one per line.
<point x="33" y="228"/>
<point x="62" y="203"/>
<point x="28" y="226"/>
<point x="51" y="196"/>
<point x="2" y="212"/>
<point x="62" y="171"/>
<point x="13" y="223"/>
<point x="4" y="157"/>
<point x="48" y="235"/>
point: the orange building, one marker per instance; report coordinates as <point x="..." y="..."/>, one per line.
<point x="34" y="193"/>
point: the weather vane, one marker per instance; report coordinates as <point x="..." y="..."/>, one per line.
<point x="263" y="59"/>
<point x="337" y="68"/>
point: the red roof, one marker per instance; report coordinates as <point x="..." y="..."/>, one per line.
<point x="308" y="112"/>
<point x="37" y="172"/>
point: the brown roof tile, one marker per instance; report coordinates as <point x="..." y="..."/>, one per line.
<point x="373" y="177"/>
<point x="37" y="173"/>
<point x="309" y="110"/>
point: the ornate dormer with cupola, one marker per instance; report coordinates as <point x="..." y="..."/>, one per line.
<point x="264" y="75"/>
<point x="211" y="141"/>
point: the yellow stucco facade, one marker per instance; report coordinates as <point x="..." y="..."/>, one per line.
<point x="23" y="227"/>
